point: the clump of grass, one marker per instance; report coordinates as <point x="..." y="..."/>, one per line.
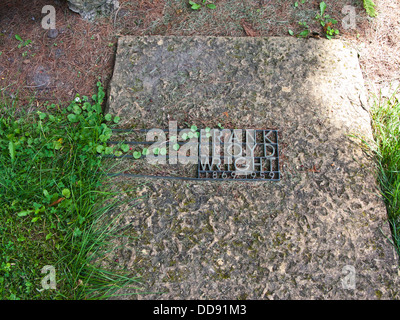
<point x="386" y="129"/>
<point x="369" y="7"/>
<point x="55" y="202"/>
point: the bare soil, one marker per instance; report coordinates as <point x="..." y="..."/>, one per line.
<point x="55" y="67"/>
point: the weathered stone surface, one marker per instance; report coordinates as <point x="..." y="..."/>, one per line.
<point x="88" y="9"/>
<point x="233" y="240"/>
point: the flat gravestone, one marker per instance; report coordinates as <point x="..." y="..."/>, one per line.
<point x="319" y="232"/>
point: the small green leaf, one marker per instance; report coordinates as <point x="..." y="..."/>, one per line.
<point x="163" y="151"/>
<point x="193" y="128"/>
<point x="184" y="136"/>
<point x="11" y="149"/>
<point x="176" y="146"/>
<point x="66" y="193"/>
<point x="48" y="236"/>
<point x="291" y="32"/>
<point x="118" y="153"/>
<point x="77" y="109"/>
<point x="124" y="147"/>
<point x="208" y="129"/>
<point x="108" y="117"/>
<point x="211" y="6"/>
<point x="322" y="7"/>
<point x="42" y="115"/>
<point x="18" y="37"/>
<point x="77" y="232"/>
<point x="72" y="117"/>
<point x="24" y="213"/>
<point x="190" y="135"/>
<point x="108" y="150"/>
<point x="57" y="145"/>
<point x="145" y="151"/>
<point x="156" y="151"/>
<point x="116" y="119"/>
<point x="99" y="148"/>
<point x="137" y="154"/>
<point x="194" y="5"/>
<point x="304" y="33"/>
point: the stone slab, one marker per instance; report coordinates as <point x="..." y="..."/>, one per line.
<point x="232" y="240"/>
<point x="88" y="9"/>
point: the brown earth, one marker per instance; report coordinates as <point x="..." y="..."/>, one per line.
<point x="56" y="69"/>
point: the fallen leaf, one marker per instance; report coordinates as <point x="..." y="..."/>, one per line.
<point x="314" y="169"/>
<point x="329" y="24"/>
<point x="56" y="202"/>
<point x="248" y="29"/>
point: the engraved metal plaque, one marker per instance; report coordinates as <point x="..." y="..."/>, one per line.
<point x="219" y="154"/>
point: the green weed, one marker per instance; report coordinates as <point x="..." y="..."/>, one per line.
<point x="385" y="115"/>
<point x="386" y="128"/>
<point x="198" y="6"/>
<point x="326" y="22"/>
<point x="369" y="7"/>
<point x="55" y="202"/>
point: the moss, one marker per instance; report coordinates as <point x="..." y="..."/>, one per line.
<point x="174" y="276"/>
<point x="222" y="275"/>
<point x="243" y="296"/>
<point x="279" y="239"/>
<point x="192" y="201"/>
<point x="207" y="228"/>
<point x="137" y="85"/>
<point x="172" y="263"/>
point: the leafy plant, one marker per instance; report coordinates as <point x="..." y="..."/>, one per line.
<point x="22" y="42"/>
<point x="296" y="4"/>
<point x="55" y="202"/>
<point x="123" y="149"/>
<point x="369" y="7"/>
<point x="197" y="6"/>
<point x="326" y="22"/>
<point x="385" y="116"/>
<point x="305" y="32"/>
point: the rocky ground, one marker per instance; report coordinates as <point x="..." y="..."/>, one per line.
<point x="234" y="240"/>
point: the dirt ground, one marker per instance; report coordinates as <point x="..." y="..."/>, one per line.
<point x="55" y="67"/>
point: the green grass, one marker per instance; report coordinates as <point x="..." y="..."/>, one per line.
<point x="55" y="203"/>
<point x="386" y="128"/>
